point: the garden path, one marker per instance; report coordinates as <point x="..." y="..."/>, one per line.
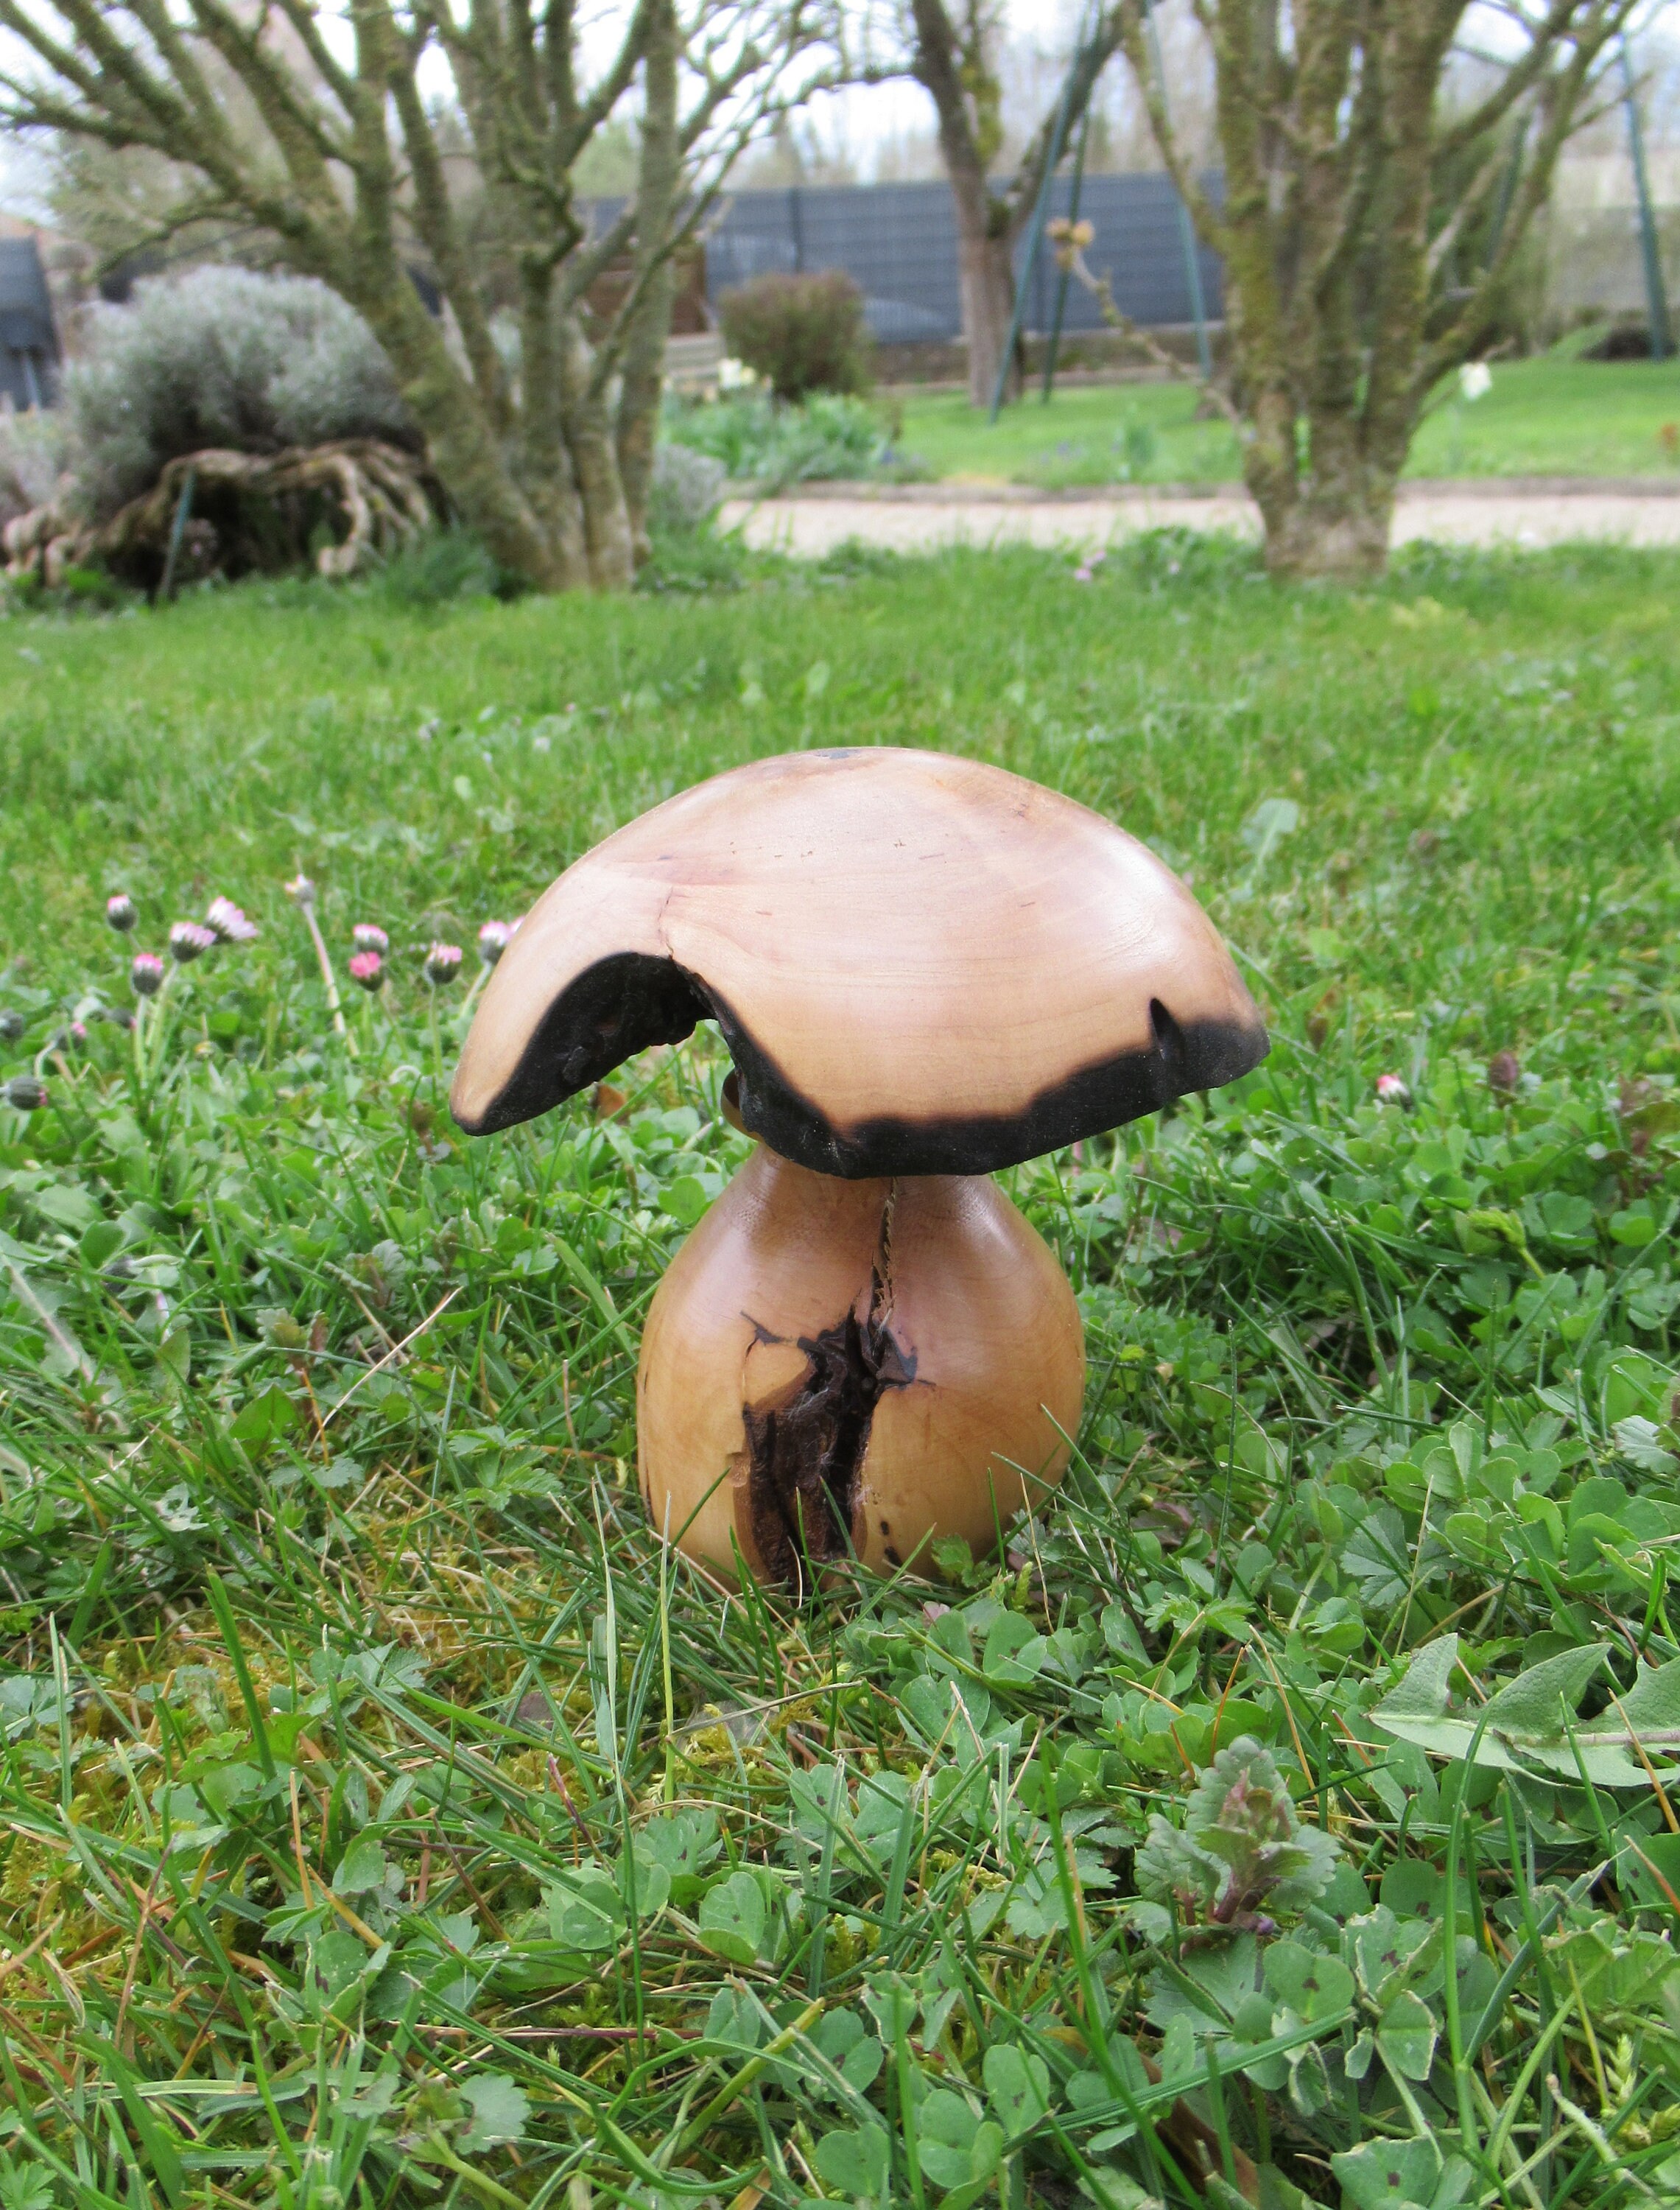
<point x="1526" y="511"/>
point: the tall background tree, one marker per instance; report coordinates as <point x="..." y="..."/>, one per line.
<point x="955" y="50"/>
<point x="311" y="126"/>
<point x="1369" y="223"/>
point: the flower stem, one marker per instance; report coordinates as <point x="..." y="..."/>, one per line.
<point x="478" y="981"/>
<point x="333" y="1003"/>
<point x="148" y="1059"/>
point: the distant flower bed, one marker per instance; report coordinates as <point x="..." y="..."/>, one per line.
<point x="761" y="442"/>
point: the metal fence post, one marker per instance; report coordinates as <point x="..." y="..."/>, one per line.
<point x="1656" y="302"/>
<point x="176" y="534"/>
<point x="1040" y="213"/>
<point x="1066" y="274"/>
<point x="1186" y="227"/>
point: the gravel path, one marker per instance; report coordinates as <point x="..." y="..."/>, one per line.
<point x="913" y="517"/>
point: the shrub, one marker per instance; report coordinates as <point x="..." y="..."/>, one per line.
<point x="223" y="357"/>
<point x="448" y="564"/>
<point x="34" y="454"/>
<point x="686" y="550"/>
<point x="758" y="442"/>
<point x="686" y="488"/>
<point x="801" y="334"/>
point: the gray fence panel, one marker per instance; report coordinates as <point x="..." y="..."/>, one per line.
<point x="897" y="242"/>
<point x="1139" y="247"/>
<point x="899" y="245"/>
<point x="28" y="341"/>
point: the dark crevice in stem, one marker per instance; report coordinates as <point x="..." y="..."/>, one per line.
<point x="805" y="1449"/>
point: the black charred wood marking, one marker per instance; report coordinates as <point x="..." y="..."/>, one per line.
<point x="806" y="1449"/>
<point x="614" y="1009"/>
<point x="1180" y="1056"/>
<point x="631" y="1000"/>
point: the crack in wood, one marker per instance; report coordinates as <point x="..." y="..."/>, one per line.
<point x="806" y="1446"/>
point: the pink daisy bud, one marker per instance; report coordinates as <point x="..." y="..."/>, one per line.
<point x="442" y="963"/>
<point x="367" y="938"/>
<point x="229" y="923"/>
<point x="301" y="891"/>
<point x="190" y="939"/>
<point x="25" y="1094"/>
<point x="145" y="976"/>
<point x="12" y="1024"/>
<point x="1082" y="575"/>
<point x="494" y="938"/>
<point x="368" y="968"/>
<point x="120" y="913"/>
<point x="1391" y="1090"/>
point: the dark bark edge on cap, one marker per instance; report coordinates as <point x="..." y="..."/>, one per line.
<point x="605" y="1015"/>
<point x="1194" y="1055"/>
<point x="626" y="1004"/>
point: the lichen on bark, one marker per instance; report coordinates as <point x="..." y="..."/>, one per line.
<point x="1356" y="180"/>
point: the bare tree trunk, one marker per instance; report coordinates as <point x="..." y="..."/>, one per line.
<point x="642" y="376"/>
<point x="607" y="542"/>
<point x="985" y="276"/>
<point x="1338" y="528"/>
<point x="954" y="62"/>
<point x="641" y="390"/>
<point x="471" y="461"/>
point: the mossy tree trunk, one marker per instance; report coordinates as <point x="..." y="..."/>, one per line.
<point x="1344" y="206"/>
<point x="549" y="455"/>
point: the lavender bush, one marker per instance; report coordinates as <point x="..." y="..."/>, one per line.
<point x="222" y="357"/>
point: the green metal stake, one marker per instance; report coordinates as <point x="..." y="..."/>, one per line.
<point x="1040" y="215"/>
<point x="1186" y="227"/>
<point x="177" y="533"/>
<point x="1656" y="301"/>
<point x="1054" y="345"/>
<point x="1508" y="192"/>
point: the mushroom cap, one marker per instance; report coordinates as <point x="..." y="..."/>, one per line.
<point x="920" y="964"/>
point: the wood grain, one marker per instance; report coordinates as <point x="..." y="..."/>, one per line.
<point x="978" y="1356"/>
<point x="920" y="963"/>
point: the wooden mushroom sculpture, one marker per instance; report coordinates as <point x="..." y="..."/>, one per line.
<point x="925" y="970"/>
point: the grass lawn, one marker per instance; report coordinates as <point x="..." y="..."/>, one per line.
<point x="1544" y="417"/>
<point x="387" y="1823"/>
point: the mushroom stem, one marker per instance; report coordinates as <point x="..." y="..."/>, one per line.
<point x="860" y="1368"/>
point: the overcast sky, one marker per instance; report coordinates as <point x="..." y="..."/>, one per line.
<point x="866" y="119"/>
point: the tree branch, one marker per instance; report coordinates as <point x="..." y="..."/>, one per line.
<point x="1088" y="65"/>
<point x="1561" y="91"/>
<point x="1070" y="256"/>
<point x="1560" y="22"/>
<point x="1213" y="227"/>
